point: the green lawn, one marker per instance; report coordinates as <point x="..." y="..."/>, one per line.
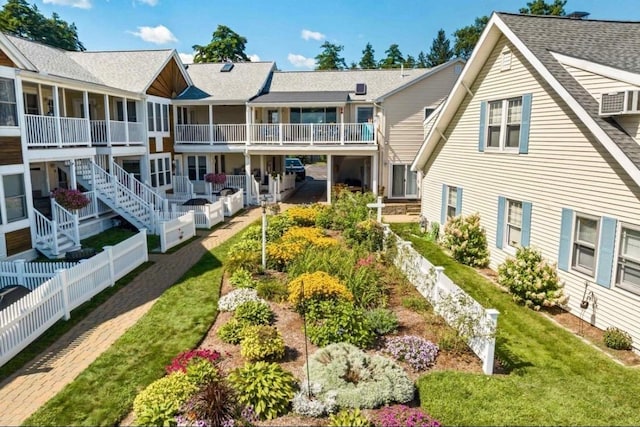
<point x="553" y="378"/>
<point x="113" y="236"/>
<point x="103" y="394"/>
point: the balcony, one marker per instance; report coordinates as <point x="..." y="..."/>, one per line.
<point x="278" y="134"/>
<point x="119" y="133"/>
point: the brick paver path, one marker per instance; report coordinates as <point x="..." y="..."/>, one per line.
<point x="41" y="379"/>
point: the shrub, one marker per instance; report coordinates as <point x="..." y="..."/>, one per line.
<point x="617" y="339"/>
<point x="324" y="217"/>
<point x="161" y="400"/>
<point x="417" y="352"/>
<point x="318" y="285"/>
<point x="349" y="208"/>
<point x="70" y="199"/>
<point x="358" y="379"/>
<point x="254" y="312"/>
<point x="305" y="216"/>
<point x="338" y="321"/>
<point x="245" y="254"/>
<point x="261" y="342"/>
<point x="314" y="406"/>
<point x="231" y="332"/>
<point x="215" y="178"/>
<point x="214" y="404"/>
<point x="272" y="290"/>
<point x="402" y="415"/>
<point x="382" y="321"/>
<point x="309" y="235"/>
<point x="264" y="386"/>
<point x="242" y="278"/>
<point x="346" y="417"/>
<point x="467" y="240"/>
<point x="180" y="362"/>
<point x="201" y="371"/>
<point x="281" y="253"/>
<point x="233" y="299"/>
<point x="367" y="233"/>
<point x="530" y="279"/>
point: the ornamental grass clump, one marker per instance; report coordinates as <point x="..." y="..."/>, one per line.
<point x="531" y="279"/>
<point x="318" y="286"/>
<point x="417" y="352"/>
<point x="70" y="199"/>
<point x="402" y="415"/>
<point x="467" y="240"/>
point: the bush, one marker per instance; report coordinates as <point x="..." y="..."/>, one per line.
<point x="316" y="286"/>
<point x="281" y="253"/>
<point x="531" y="280"/>
<point x="358" y="379"/>
<point x="617" y="339"/>
<point x="201" y="371"/>
<point x="338" y="321"/>
<point x="367" y="233"/>
<point x="159" y="403"/>
<point x="349" y="208"/>
<point x="467" y="240"/>
<point x="417" y="352"/>
<point x="233" y="299"/>
<point x="314" y="407"/>
<point x="264" y="386"/>
<point x="272" y="290"/>
<point x="402" y="415"/>
<point x="245" y="254"/>
<point x="352" y="418"/>
<point x="382" y="321"/>
<point x="214" y="404"/>
<point x="254" y="312"/>
<point x="182" y="360"/>
<point x="242" y="278"/>
<point x="304" y="216"/>
<point x="231" y="332"/>
<point x="261" y="342"/>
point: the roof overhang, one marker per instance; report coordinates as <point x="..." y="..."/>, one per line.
<point x="301" y="99"/>
<point x="15" y="55"/>
<point x="495" y="28"/>
<point x="49" y="79"/>
<point x="596" y="68"/>
<point x="174" y="55"/>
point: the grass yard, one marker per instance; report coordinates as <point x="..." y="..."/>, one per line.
<point x="550" y="376"/>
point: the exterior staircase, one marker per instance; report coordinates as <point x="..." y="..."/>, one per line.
<point x="56" y="236"/>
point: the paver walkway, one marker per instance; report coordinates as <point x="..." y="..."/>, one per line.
<point x="41" y="379"/>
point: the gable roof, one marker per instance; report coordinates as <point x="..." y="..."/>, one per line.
<point x="537" y="38"/>
<point x="245" y="81"/>
<point x="380" y="83"/>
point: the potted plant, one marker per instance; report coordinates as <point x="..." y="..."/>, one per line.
<point x="70" y="199"/>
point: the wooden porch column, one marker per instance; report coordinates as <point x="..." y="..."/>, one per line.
<point x="125" y="117"/>
<point x="56" y="115"/>
<point x="107" y="120"/>
<point x="262" y="169"/>
<point x="329" y="176"/>
<point x="247" y="172"/>
<point x="248" y="120"/>
<point x="73" y="181"/>
<point x="211" y="124"/>
<point x="85" y="112"/>
<point x="341" y="125"/>
<point x="374" y="174"/>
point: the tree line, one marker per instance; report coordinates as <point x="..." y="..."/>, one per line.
<point x="21" y="19"/>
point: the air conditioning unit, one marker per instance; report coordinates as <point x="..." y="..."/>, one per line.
<point x="625" y="102"/>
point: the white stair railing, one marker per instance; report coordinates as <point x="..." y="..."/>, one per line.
<point x="182" y="185"/>
<point x="67" y="222"/>
<point x="140" y="189"/>
<point x="45" y="233"/>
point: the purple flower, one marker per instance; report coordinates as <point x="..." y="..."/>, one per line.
<point x="417" y="352"/>
<point x="402" y="415"/>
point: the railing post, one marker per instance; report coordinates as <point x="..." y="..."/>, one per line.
<point x="54" y="237"/>
<point x="62" y="274"/>
<point x="20" y="271"/>
<point x="312" y="135"/>
<point x="144" y="242"/>
<point x="341" y="133"/>
<point x="131" y="182"/>
<point x="112" y="268"/>
<point x="436" y="287"/>
<point x="487" y="364"/>
<point x="115" y="192"/>
<point x="280" y="135"/>
<point x="76" y="228"/>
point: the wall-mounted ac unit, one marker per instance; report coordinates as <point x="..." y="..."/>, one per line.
<point x="625" y="102"/>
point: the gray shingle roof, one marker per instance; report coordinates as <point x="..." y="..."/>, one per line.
<point x="616" y="44"/>
<point x="302" y="97"/>
<point x="243" y="82"/>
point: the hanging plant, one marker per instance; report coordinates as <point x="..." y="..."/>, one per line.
<point x="70" y="199"/>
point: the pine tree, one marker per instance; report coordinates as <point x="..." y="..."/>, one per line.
<point x="368" y="61"/>
<point x="394" y="57"/>
<point x="440" y="50"/>
<point x="329" y="58"/>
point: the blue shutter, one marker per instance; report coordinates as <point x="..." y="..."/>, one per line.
<point x="483" y="125"/>
<point x="525" y="239"/>
<point x="525" y="124"/>
<point x="459" y="201"/>
<point x="443" y="212"/>
<point x="500" y="225"/>
<point x="607" y="251"/>
<point x="566" y="230"/>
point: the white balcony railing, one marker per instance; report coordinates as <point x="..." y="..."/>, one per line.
<point x="117" y="133"/>
<point x="211" y="134"/>
<point x="47" y="131"/>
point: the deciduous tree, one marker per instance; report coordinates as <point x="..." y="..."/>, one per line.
<point x="467" y="37"/>
<point x="541" y="7"/>
<point x="226" y="46"/>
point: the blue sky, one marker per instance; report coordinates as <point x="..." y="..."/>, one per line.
<point x="290" y="32"/>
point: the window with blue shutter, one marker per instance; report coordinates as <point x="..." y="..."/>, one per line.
<point x="504" y="125"/>
<point x="525" y="240"/>
<point x="566" y="230"/>
<point x="525" y="122"/>
<point x="483" y="124"/>
<point x="606" y="249"/>
<point x="500" y="226"/>
<point x="459" y="201"/>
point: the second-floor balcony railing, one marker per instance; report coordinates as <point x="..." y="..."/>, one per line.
<point x="278" y="134"/>
<point x="44" y="131"/>
<point x="117" y="133"/>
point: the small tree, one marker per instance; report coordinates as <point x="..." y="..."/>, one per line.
<point x="467" y="240"/>
<point x="329" y="58"/>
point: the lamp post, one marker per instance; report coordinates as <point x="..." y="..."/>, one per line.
<point x="263" y="203"/>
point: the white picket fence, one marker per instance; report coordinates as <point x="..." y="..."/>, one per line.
<point x="474" y="322"/>
<point x="233" y="203"/>
<point x="26" y="319"/>
<point x="174" y="231"/>
<point x="29" y="274"/>
<point x="205" y="216"/>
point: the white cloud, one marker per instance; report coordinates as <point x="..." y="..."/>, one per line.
<point x="254" y="58"/>
<point x="186" y="58"/>
<point x="312" y="35"/>
<point x="301" y="61"/>
<point x="158" y="35"/>
<point x="149" y="2"/>
<point x="81" y="4"/>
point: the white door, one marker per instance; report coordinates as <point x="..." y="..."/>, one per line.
<point x="404" y="182"/>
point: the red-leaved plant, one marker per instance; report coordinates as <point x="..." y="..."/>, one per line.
<point x="215" y="178"/>
<point x="402" y="415"/>
<point x="180" y="362"/>
<point x="70" y="199"/>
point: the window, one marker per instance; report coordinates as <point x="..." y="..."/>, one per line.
<point x="160" y="170"/>
<point x="182" y="115"/>
<point x="428" y="112"/>
<point x="514" y="224"/>
<point x="503" y="124"/>
<point x="150" y="116"/>
<point x="31" y="104"/>
<point x="131" y="111"/>
<point x="628" y="275"/>
<point x="364" y="114"/>
<point x="8" y="110"/>
<point x="158" y="116"/>
<point x="14" y="197"/>
<point x="196" y="167"/>
<point x="452" y="201"/>
<point x="313" y="115"/>
<point x="165" y="118"/>
<point x="585" y="244"/>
